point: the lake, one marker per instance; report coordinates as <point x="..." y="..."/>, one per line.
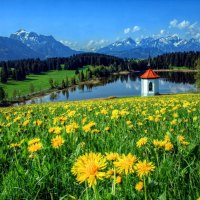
<point x="123" y="85"/>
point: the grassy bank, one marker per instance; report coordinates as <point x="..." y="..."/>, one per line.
<point x="128" y="148"/>
<point x="39" y="82"/>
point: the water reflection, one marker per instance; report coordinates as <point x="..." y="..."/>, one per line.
<point x="122" y="85"/>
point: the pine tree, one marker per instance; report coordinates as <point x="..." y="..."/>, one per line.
<point x="2" y="94"/>
<point x="3" y="76"/>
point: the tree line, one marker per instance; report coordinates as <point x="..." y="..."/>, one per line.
<point x="19" y="69"/>
<point x="167" y="61"/>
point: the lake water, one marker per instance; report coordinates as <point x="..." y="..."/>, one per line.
<point x="123" y="85"/>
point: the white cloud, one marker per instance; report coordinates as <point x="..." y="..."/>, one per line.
<point x="186" y="28"/>
<point x="183" y="24"/>
<point x="197" y="36"/>
<point x="73" y="45"/>
<point x="136" y="28"/>
<point x="127" y="30"/>
<point x="173" y="23"/>
<point x="132" y="29"/>
<point x="96" y="44"/>
<point x="162" y="31"/>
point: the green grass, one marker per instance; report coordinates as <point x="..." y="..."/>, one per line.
<point x="40" y="82"/>
<point x="179" y="68"/>
<point x="38" y="170"/>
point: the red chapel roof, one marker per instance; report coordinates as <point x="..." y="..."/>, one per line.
<point x="149" y="74"/>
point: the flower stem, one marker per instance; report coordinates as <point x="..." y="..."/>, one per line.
<point x="114" y="182"/>
<point x="86" y="188"/>
<point x="96" y="193"/>
<point x="145" y="190"/>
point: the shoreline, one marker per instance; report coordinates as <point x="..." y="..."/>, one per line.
<point x="93" y="82"/>
<point x="175" y="70"/>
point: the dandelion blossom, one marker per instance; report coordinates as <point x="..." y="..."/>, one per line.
<point x="33" y="141"/>
<point x="143" y="168"/>
<point x="35" y="147"/>
<point x="141" y="142"/>
<point x="112" y="156"/>
<point x="57" y="142"/>
<point x="118" y="179"/>
<point x="88" y="168"/>
<point x="139" y="186"/>
<point x="125" y="164"/>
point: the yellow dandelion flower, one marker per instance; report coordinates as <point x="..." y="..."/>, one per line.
<point x="57" y="130"/>
<point x="139" y="186"/>
<point x="175" y="115"/>
<point x="173" y="122"/>
<point x="104" y="111"/>
<point x="88" y="168"/>
<point x="14" y="145"/>
<point x="141" y="142"/>
<point x="71" y="113"/>
<point x="198" y="198"/>
<point x="195" y="118"/>
<point x="181" y="140"/>
<point x="112" y="156"/>
<point x="57" y="142"/>
<point x="37" y="122"/>
<point x="143" y="168"/>
<point x="118" y="179"/>
<point x="34" y="147"/>
<point x="168" y="146"/>
<point x="110" y="173"/>
<point x="33" y="141"/>
<point x="25" y="123"/>
<point x="125" y="164"/>
<point x="95" y="131"/>
<point x="115" y="114"/>
<point x="151" y="118"/>
<point x="128" y="122"/>
<point x="71" y="128"/>
<point x="84" y="120"/>
<point x="107" y="128"/>
<point x="88" y="127"/>
<point x="51" y="130"/>
<point x="17" y="119"/>
<point x="139" y="123"/>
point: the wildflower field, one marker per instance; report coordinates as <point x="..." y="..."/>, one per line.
<point x="128" y="148"/>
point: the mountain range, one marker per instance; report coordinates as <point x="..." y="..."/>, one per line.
<point x="129" y="48"/>
<point x="23" y="44"/>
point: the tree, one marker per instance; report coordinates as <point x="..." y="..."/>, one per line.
<point x="66" y="82"/>
<point x="3" y="76"/>
<point x="51" y="83"/>
<point x="32" y="88"/>
<point x="2" y="94"/>
<point x="81" y="76"/>
<point x="197" y="77"/>
<point x="63" y="84"/>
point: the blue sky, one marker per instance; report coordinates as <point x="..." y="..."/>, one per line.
<point x="81" y="23"/>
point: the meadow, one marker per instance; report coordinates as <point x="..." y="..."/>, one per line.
<point x="127" y="148"/>
<point x="40" y="82"/>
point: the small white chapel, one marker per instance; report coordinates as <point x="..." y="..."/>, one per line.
<point x="149" y="83"/>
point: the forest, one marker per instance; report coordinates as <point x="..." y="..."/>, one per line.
<point x="18" y="69"/>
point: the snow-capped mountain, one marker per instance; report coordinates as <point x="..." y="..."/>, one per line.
<point x="155" y="46"/>
<point x="123" y="45"/>
<point x="11" y="49"/>
<point x="47" y="46"/>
